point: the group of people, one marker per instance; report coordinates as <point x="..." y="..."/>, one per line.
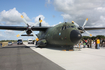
<point x="102" y="42"/>
<point x="97" y="43"/>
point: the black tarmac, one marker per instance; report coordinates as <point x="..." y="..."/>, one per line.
<point x="20" y="57"/>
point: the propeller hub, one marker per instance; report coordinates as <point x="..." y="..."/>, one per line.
<point x="81" y="29"/>
<point x="29" y="27"/>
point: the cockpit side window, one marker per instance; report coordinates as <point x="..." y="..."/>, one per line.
<point x="67" y="26"/>
<point x="63" y="27"/>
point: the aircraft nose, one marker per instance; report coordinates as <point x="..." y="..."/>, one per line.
<point x="75" y="36"/>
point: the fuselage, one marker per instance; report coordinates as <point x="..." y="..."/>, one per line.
<point x="63" y="34"/>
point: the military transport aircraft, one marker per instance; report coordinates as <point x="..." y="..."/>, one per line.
<point x="65" y="34"/>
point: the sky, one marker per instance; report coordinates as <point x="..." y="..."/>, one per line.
<point x="52" y="12"/>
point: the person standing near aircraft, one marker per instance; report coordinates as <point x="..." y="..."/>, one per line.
<point x="88" y="43"/>
<point x="0" y="44"/>
<point x="80" y="44"/>
<point x="98" y="43"/>
<point x="84" y="43"/>
<point x="92" y="43"/>
<point x="101" y="42"/>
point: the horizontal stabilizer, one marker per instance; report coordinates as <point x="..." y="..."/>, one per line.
<point x="27" y="35"/>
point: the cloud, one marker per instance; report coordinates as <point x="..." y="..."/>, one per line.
<point x="65" y="17"/>
<point x="11" y="17"/>
<point x="48" y="2"/>
<point x="57" y="24"/>
<point x="3" y="36"/>
<point x="36" y="19"/>
<point x="95" y="32"/>
<point x="9" y="32"/>
<point x="79" y="10"/>
<point x="44" y="23"/>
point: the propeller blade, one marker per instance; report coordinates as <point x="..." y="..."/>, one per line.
<point x="21" y="33"/>
<point x="75" y="24"/>
<point x="38" y="22"/>
<point x="24" y="20"/>
<point x="82" y="28"/>
<point x="88" y="33"/>
<point x="35" y="36"/>
<point x="85" y="23"/>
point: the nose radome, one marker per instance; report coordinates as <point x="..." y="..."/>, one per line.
<point x="75" y="36"/>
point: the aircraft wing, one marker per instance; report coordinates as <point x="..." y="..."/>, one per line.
<point x="40" y="28"/>
<point x="93" y="28"/>
<point x="21" y="28"/>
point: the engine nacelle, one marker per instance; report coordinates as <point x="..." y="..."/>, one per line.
<point x="28" y="32"/>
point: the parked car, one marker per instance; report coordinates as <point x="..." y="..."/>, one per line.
<point x="9" y="43"/>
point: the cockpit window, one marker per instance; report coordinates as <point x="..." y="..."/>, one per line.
<point x="64" y="27"/>
<point x="68" y="26"/>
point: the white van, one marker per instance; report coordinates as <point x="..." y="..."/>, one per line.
<point x="30" y="41"/>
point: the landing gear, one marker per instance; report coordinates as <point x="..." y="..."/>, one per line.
<point x="36" y="44"/>
<point x="69" y="48"/>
